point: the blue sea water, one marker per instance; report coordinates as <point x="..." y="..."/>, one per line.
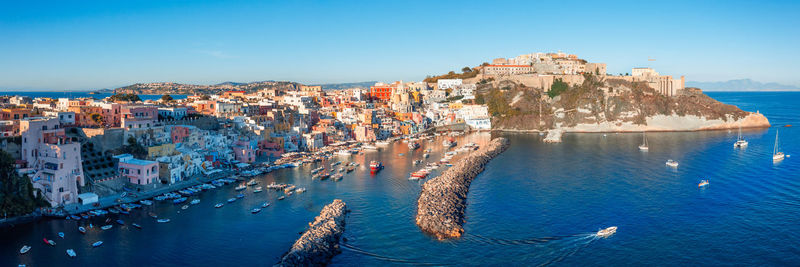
<point x="535" y="204"/>
<point x="80" y="94"/>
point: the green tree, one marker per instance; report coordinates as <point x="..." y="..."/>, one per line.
<point x="466" y="69"/>
<point x="97" y="118"/>
<point x="16" y="192"/>
<point x="125" y="97"/>
<point x="557" y="88"/>
<point x="166" y="98"/>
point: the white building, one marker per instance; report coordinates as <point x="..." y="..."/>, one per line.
<point x="443" y="84"/>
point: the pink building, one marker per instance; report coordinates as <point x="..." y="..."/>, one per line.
<point x="244" y="151"/>
<point x="53" y="160"/>
<point x="136" y="117"/>
<point x="180" y="134"/>
<point x="139" y="172"/>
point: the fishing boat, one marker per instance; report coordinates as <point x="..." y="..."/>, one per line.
<point x="195" y="201"/>
<point x="607" y="232"/>
<point x="375" y="165"/>
<point x="61" y="235"/>
<point x="240" y="187"/>
<point x="97" y="244"/>
<point x="672" y="163"/>
<point x="106" y="227"/>
<point x="702" y="183"/>
<point x="281" y="197"/>
<point x="252" y="182"/>
<point x="777" y="155"/>
<point x="81" y="230"/>
<point x="163" y="220"/>
<point x="120" y="222"/>
<point x="136" y="225"/>
<point x="265" y="204"/>
<point x="71" y="253"/>
<point x="49" y="242"/>
<point x="231" y="199"/>
<point x="24" y="249"/>
<point x="643" y="146"/>
<point x="740" y="142"/>
<point x="258" y="190"/>
<point x="219" y="205"/>
<point x="255" y="210"/>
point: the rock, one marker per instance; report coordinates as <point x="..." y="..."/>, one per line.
<point x="318" y="245"/>
<point x="442" y="202"/>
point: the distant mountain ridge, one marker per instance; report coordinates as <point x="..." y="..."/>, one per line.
<point x="339" y="86"/>
<point x="740" y="85"/>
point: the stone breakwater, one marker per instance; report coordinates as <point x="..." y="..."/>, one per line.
<point x="320" y="242"/>
<point x="441" y="205"/>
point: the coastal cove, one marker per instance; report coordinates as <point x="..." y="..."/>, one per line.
<point x="535" y="203"/>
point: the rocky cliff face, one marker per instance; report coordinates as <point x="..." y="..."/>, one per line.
<point x="602" y="104"/>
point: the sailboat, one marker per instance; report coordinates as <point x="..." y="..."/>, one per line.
<point x="740" y="142"/>
<point x="777" y="155"/>
<point x="643" y="146"/>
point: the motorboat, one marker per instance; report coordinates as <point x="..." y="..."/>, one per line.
<point x="448" y="143"/>
<point x="163" y="220"/>
<point x="382" y="143"/>
<point x="370" y="147"/>
<point x="61" y="235"/>
<point x="81" y="230"/>
<point x="607" y="232"/>
<point x="120" y="222"/>
<point x="240" y="196"/>
<point x="265" y="204"/>
<point x="672" y="163"/>
<point x="185" y="207"/>
<point x="71" y="253"/>
<point x="337" y="177"/>
<point x="258" y="189"/>
<point x="777" y="155"/>
<point x="49" y="242"/>
<point x="240" y="187"/>
<point x="255" y="210"/>
<point x="703" y="183"/>
<point x="219" y="205"/>
<point x="375" y="165"/>
<point x="146" y="202"/>
<point x="194" y="201"/>
<point x="643" y="146"/>
<point x="281" y="197"/>
<point x="413" y="145"/>
<point x="300" y="190"/>
<point x="24" y="249"/>
<point x="179" y="200"/>
<point x="106" y="227"/>
<point x="152" y="214"/>
<point x="344" y="152"/>
<point x="740" y="142"/>
<point x="97" y="244"/>
<point x="252" y="182"/>
<point x="136" y="225"/>
<point x="231" y="199"/>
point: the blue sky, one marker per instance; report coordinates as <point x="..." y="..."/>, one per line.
<point x="105" y="44"/>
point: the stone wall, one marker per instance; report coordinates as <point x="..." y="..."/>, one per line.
<point x="441" y="205"/>
<point x="320" y="242"/>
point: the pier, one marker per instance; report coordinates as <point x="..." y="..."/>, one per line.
<point x="320" y="242"/>
<point x="443" y="200"/>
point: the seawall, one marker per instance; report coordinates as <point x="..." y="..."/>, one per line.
<point x="443" y="200"/>
<point x="320" y="242"/>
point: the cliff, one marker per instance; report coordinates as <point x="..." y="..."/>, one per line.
<point x="320" y="242"/>
<point x="602" y="104"/>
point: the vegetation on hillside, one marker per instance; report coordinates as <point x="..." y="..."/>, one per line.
<point x="16" y="192"/>
<point x="134" y="148"/>
<point x="466" y="73"/>
<point x="166" y="98"/>
<point x="558" y="87"/>
<point x="125" y="97"/>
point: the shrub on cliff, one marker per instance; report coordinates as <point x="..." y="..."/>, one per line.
<point x="16" y="192"/>
<point x="125" y="97"/>
<point x="557" y="88"/>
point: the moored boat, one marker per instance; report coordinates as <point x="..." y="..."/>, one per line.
<point x="163" y="220"/>
<point x="49" y="242"/>
<point x="194" y="201"/>
<point x="24" y="249"/>
<point x="672" y="163"/>
<point x="265" y="204"/>
<point x="219" y="205"/>
<point x="375" y="165"/>
<point x="71" y="253"/>
<point x="136" y="225"/>
<point x="258" y="189"/>
<point x="61" y="235"/>
<point x="106" y="227"/>
<point x="81" y="230"/>
<point x="255" y="210"/>
<point x="281" y="197"/>
<point x="97" y="244"/>
<point x="120" y="222"/>
<point x="231" y="199"/>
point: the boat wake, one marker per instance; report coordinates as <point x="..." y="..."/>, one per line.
<point x="388" y="259"/>
<point x="554" y="248"/>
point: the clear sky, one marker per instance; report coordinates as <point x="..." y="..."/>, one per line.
<point x="105" y="44"/>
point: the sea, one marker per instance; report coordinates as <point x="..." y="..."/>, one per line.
<point x="536" y="204"/>
<point x="79" y="94"/>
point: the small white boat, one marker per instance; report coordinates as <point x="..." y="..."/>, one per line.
<point x="265" y="204"/>
<point x="61" y="235"/>
<point x="740" y="142"/>
<point x="97" y="244"/>
<point x="240" y="187"/>
<point x="255" y="210"/>
<point x="703" y="183"/>
<point x="106" y="227"/>
<point x="71" y="253"/>
<point x="24" y="249"/>
<point x="258" y="189"/>
<point x="607" y="232"/>
<point x="281" y="197"/>
<point x="195" y="202"/>
<point x="672" y="163"/>
<point x="163" y="220"/>
<point x="777" y="155"/>
<point x="382" y="143"/>
<point x="185" y="207"/>
<point x="219" y="205"/>
<point x="643" y="146"/>
<point x="252" y="182"/>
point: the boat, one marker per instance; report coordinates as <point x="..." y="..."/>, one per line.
<point x="702" y="183"/>
<point x="413" y="145"/>
<point x="179" y="200"/>
<point x="120" y="222"/>
<point x="419" y="174"/>
<point x="49" y="242"/>
<point x="777" y="155"/>
<point x="106" y="227"/>
<point x="300" y="190"/>
<point x="146" y="202"/>
<point x="740" y="142"/>
<point x="607" y="232"/>
<point x="449" y="142"/>
<point x="324" y="176"/>
<point x="265" y="204"/>
<point x="336" y="177"/>
<point x="344" y="152"/>
<point x="252" y="182"/>
<point x="255" y="210"/>
<point x="370" y="147"/>
<point x="240" y="196"/>
<point x="97" y="244"/>
<point x="281" y="197"/>
<point x="163" y="220"/>
<point x="672" y="163"/>
<point x="231" y="199"/>
<point x="240" y="187"/>
<point x="24" y="249"/>
<point x="219" y="205"/>
<point x="643" y="146"/>
<point x="382" y="143"/>
<point x="136" y="225"/>
<point x="185" y="207"/>
<point x="81" y="230"/>
<point x="375" y="165"/>
<point x="71" y="253"/>
<point x="152" y="215"/>
<point x="426" y="155"/>
<point x="77" y="218"/>
<point x="195" y="201"/>
<point x="61" y="235"/>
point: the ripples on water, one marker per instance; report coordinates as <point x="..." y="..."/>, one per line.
<point x="535" y="204"/>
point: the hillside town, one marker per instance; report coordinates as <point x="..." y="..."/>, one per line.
<point x="77" y="150"/>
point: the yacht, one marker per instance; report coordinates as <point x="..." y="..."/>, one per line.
<point x="702" y="183"/>
<point x="255" y="210"/>
<point x="740" y="142"/>
<point x="643" y="146"/>
<point x="777" y="155"/>
<point x="344" y="152"/>
<point x="672" y="163"/>
<point x="607" y="232"/>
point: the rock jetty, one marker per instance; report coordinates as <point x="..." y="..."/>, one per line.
<point x="441" y="205"/>
<point x="320" y="242"/>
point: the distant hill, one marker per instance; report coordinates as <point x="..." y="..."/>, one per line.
<point x="740" y="85"/>
<point x="339" y="86"/>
